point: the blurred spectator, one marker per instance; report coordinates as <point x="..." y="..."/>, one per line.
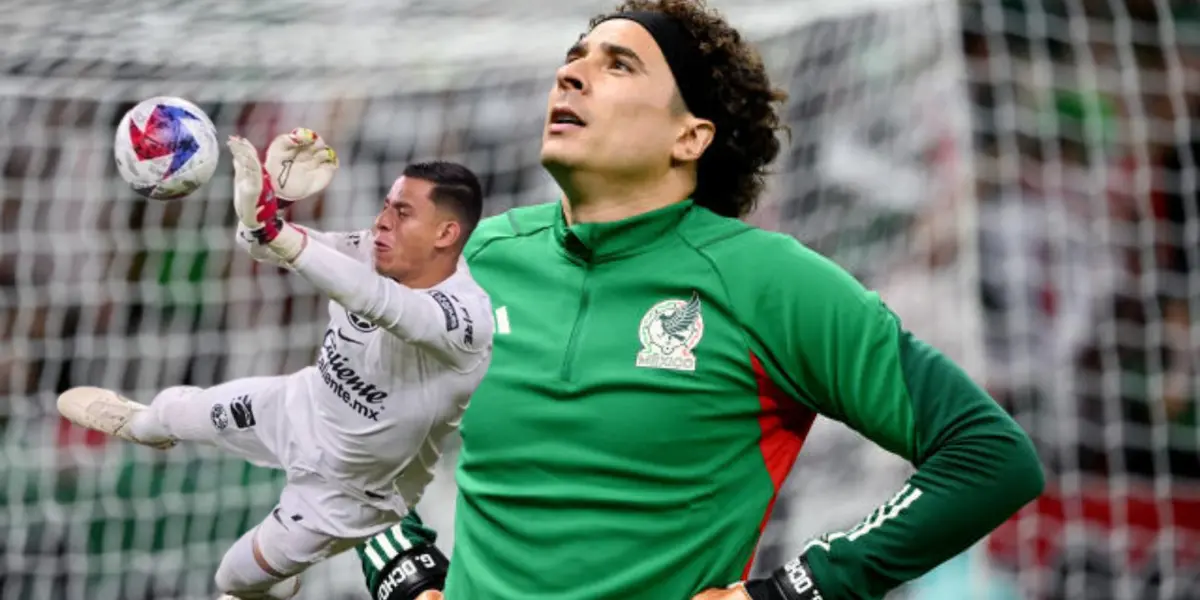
<point x="1045" y="258"/>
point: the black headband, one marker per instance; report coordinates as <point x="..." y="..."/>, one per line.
<point x="683" y="56"/>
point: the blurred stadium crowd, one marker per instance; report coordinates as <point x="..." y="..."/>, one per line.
<point x="1095" y="334"/>
<point x="1084" y="158"/>
<point x="1065" y="275"/>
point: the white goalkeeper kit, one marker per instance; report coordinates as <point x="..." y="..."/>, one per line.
<point x="359" y="432"/>
<point x="391" y="379"/>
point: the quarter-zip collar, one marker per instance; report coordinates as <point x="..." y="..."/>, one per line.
<point x="599" y="242"/>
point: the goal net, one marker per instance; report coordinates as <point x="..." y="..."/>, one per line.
<point x="888" y="171"/>
<point x="1086" y="160"/>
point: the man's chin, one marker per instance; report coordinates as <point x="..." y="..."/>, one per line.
<point x="557" y="159"/>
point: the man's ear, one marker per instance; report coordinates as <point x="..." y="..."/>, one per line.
<point x="695" y="137"/>
<point x="448" y="234"/>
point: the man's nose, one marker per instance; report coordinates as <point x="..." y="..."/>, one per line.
<point x="571" y="77"/>
<point x="382" y="222"/>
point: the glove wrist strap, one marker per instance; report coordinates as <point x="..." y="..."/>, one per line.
<point x="792" y="581"/>
<point x="288" y="242"/>
<point x="414" y="571"/>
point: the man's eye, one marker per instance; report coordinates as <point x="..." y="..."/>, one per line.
<point x="622" y="65"/>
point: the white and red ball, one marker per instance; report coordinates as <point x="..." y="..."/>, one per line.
<point x="166" y="148"/>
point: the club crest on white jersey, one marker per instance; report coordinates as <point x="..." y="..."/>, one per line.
<point x="360" y="324"/>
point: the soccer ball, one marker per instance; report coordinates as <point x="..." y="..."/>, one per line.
<point x="166" y="148"/>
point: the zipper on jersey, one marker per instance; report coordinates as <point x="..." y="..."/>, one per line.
<point x="568" y="367"/>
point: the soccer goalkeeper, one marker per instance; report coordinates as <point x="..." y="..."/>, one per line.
<point x="359" y="432"/>
<point x="658" y="362"/>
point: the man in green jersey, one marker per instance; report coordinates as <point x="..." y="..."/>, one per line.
<point x="658" y="362"/>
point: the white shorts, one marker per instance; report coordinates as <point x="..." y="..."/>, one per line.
<point x="252" y="419"/>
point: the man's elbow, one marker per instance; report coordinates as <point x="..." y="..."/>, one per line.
<point x="365" y="301"/>
<point x="1028" y="479"/>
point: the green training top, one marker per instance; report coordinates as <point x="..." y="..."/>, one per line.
<point x="651" y="385"/>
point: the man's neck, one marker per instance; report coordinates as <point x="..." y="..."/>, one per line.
<point x="436" y="272"/>
<point x="595" y="199"/>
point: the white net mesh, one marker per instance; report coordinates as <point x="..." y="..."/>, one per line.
<point x="103" y="288"/>
<point x="1087" y="188"/>
<point x="882" y="173"/>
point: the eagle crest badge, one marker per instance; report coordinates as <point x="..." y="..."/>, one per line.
<point x="668" y="332"/>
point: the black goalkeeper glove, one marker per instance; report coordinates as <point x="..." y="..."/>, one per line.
<point x="418" y="569"/>
<point x="792" y="581"/>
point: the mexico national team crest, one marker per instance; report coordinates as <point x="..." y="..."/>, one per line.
<point x="669" y="332"/>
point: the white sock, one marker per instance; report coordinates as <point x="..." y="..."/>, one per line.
<point x="145" y="426"/>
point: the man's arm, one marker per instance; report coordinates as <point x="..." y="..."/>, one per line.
<point x="384" y="558"/>
<point x="402" y="562"/>
<point x="429" y="318"/>
<point x="836" y="348"/>
<point x="457" y="329"/>
<point x="346" y="242"/>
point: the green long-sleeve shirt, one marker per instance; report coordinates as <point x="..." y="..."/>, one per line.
<point x="652" y="383"/>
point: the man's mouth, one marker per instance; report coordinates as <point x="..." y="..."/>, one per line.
<point x="562" y="119"/>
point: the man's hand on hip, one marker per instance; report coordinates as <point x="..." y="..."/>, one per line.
<point x="733" y="592"/>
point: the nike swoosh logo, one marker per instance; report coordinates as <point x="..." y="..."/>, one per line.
<point x="275" y="513"/>
<point x="351" y="340"/>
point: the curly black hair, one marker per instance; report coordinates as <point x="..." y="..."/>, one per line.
<point x="731" y="173"/>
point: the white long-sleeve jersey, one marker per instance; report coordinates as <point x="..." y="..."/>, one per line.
<point x="394" y="372"/>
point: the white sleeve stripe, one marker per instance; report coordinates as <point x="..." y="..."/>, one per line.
<point x="818" y="543"/>
<point x="890" y="510"/>
<point x="375" y="558"/>
<point x="386" y="545"/>
<point x="885" y="515"/>
<point x="502" y="325"/>
<point x="398" y="534"/>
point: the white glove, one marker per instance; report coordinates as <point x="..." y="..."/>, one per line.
<point x="300" y="164"/>
<point x="303" y="165"/>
